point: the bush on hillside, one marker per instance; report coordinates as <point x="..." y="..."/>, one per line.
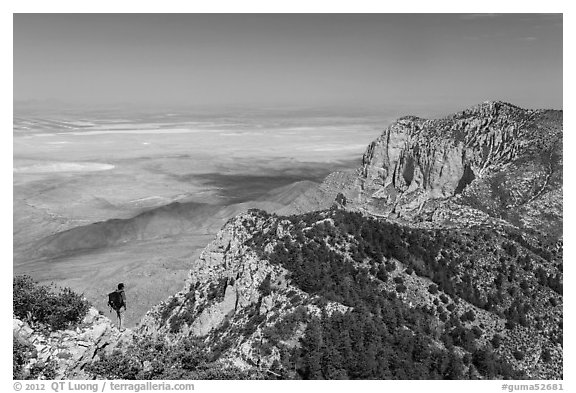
<point x="156" y="358"/>
<point x="22" y="352"/>
<point x="20" y="356"/>
<point x="40" y="304"/>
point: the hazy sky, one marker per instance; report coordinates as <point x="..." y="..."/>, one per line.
<point x="355" y="60"/>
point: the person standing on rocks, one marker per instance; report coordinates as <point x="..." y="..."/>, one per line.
<point x="117" y="300"/>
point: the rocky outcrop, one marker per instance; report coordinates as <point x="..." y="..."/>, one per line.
<point x="69" y="351"/>
<point x="324" y="195"/>
<point x="232" y="295"/>
<point x="494" y="157"/>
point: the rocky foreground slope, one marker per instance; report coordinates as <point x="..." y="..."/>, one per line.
<point x="440" y="258"/>
<point x="64" y="354"/>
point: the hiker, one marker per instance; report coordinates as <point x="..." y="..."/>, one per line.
<point x="117" y="300"/>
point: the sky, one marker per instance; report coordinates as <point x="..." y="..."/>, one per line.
<point x="268" y="60"/>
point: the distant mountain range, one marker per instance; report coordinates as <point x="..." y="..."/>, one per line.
<point x="439" y="258"/>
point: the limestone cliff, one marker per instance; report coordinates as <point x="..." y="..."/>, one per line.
<point x="503" y="161"/>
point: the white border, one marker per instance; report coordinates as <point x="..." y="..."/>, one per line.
<point x="297" y="6"/>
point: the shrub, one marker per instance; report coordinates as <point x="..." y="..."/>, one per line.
<point x="477" y="331"/>
<point x="191" y="297"/>
<point x="265" y="287"/>
<point x="37" y="303"/>
<point x="510" y="249"/>
<point x="296" y="299"/>
<point x="188" y="315"/>
<point x="22" y="352"/>
<point x="382" y="275"/>
<point x="341" y="199"/>
<point x="68" y="309"/>
<point x="176" y="323"/>
<point x="156" y="359"/>
<point x="118" y="365"/>
<point x="546" y="355"/>
<point x="390" y="266"/>
<point x="468" y="316"/>
<point x="496" y="341"/>
<point x="168" y="308"/>
<point x="20" y="356"/>
<point x="217" y="290"/>
<point x="510" y="325"/>
<point x="43" y="370"/>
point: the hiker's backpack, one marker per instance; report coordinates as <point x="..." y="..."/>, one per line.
<point x="115" y="300"/>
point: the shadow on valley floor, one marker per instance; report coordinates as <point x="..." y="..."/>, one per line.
<point x="264" y="176"/>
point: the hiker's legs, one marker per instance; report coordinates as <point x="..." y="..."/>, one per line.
<point x="119" y="314"/>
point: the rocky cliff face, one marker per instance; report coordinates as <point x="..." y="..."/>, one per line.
<point x="499" y="159"/>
